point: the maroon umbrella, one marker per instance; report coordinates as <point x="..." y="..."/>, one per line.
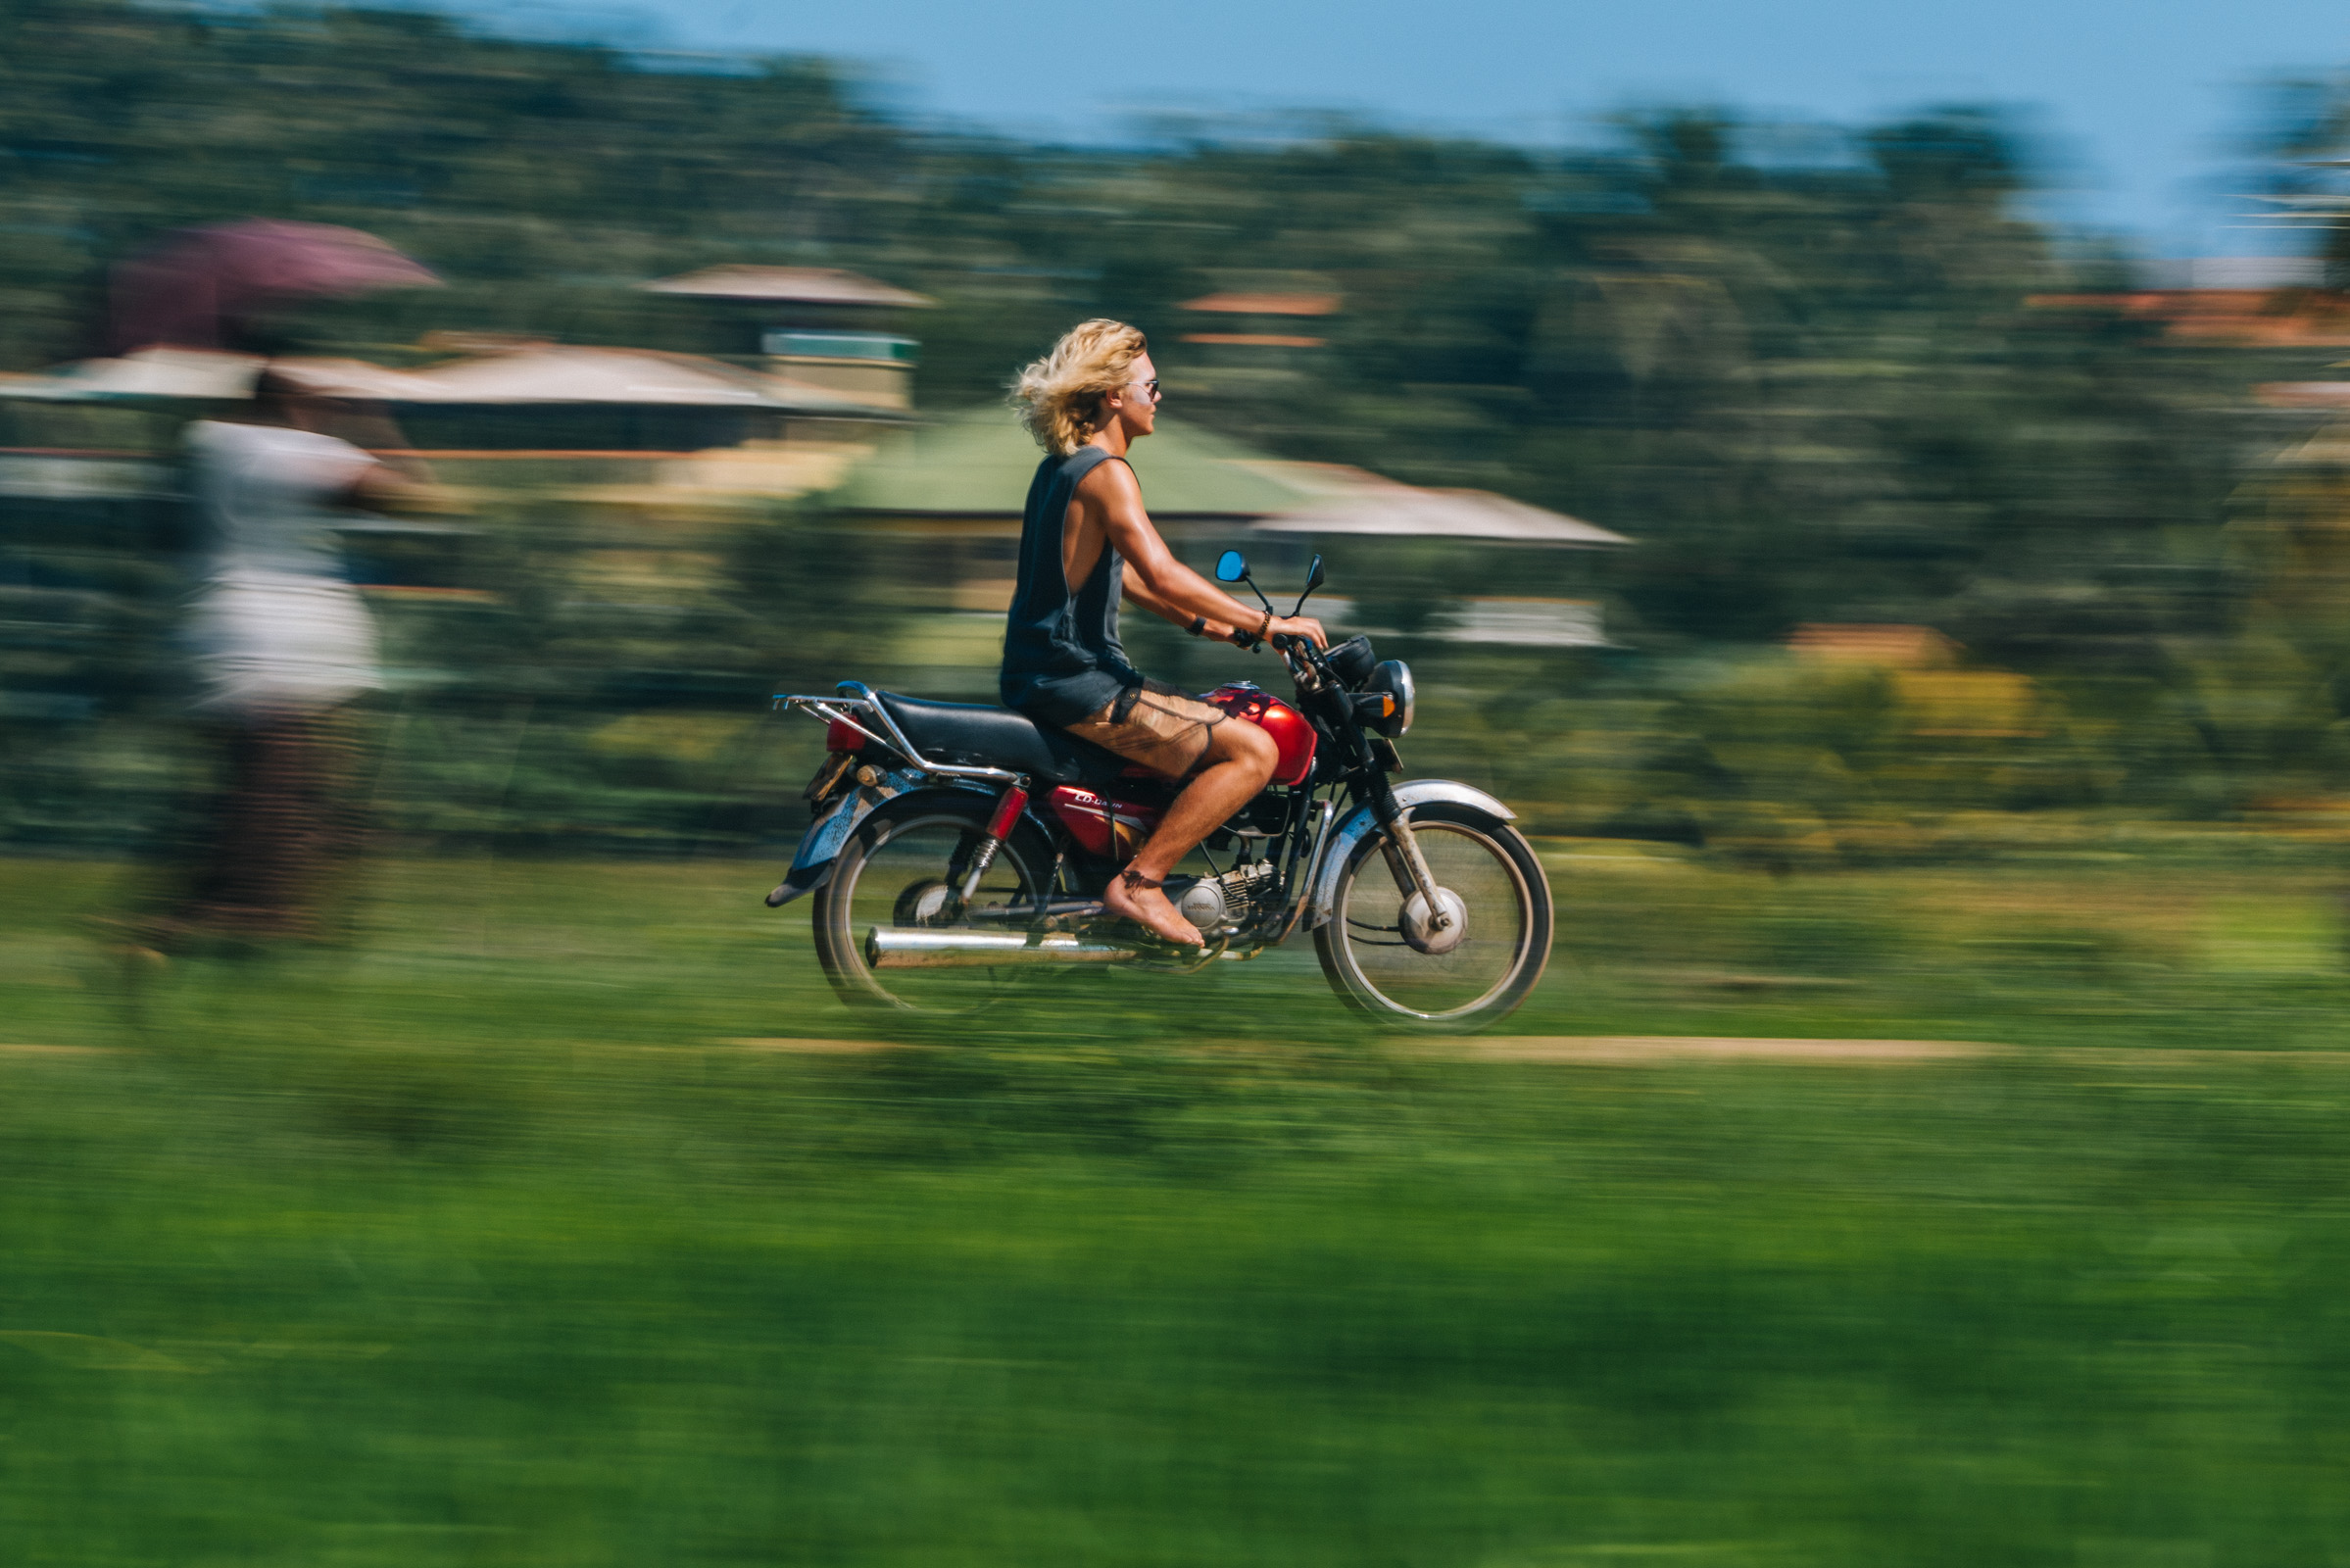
<point x="199" y="284"/>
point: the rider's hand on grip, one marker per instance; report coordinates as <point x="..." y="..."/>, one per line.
<point x="1300" y="628"/>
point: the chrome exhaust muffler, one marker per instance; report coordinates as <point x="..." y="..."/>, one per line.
<point x="907" y="947"/>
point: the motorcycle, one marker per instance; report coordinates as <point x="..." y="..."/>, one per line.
<point x="959" y="850"/>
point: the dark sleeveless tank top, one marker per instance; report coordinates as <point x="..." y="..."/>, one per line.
<point x="1061" y="656"/>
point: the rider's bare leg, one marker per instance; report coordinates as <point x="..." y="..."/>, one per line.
<point x="1237" y="766"/>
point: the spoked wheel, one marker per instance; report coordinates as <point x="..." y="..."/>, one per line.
<point x="902" y="869"/>
<point x="1385" y="957"/>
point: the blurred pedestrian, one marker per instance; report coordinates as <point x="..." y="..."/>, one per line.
<point x="282" y="645"/>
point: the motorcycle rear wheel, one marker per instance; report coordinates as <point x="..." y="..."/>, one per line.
<point x="1373" y="966"/>
<point x="895" y="871"/>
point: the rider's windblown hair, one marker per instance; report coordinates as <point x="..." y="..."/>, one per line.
<point x="1061" y="395"/>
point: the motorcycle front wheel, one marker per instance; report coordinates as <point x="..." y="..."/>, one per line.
<point x="901" y="869"/>
<point x="1376" y="948"/>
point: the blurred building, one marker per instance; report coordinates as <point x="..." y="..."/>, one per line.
<point x="1888" y="647"/>
<point x="816" y="326"/>
<point x="958" y="485"/>
<point x="1259" y="319"/>
<point x="2242" y="302"/>
<point x="617" y="417"/>
<point x="1352" y="501"/>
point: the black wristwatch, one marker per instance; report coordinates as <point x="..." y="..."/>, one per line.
<point x="1198" y="624"/>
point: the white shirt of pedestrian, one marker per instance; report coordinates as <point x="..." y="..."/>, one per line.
<point x="276" y="623"/>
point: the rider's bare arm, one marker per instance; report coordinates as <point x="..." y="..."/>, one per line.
<point x="1155" y="578"/>
<point x="1143" y="597"/>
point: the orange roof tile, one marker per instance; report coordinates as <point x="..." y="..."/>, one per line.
<point x="1265" y="304"/>
<point x="1894" y="646"/>
<point x="1255" y="340"/>
<point x="2263" y="316"/>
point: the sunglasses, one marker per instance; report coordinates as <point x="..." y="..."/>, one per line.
<point x="1151" y="386"/>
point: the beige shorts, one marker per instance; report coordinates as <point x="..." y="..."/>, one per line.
<point x="1153" y="726"/>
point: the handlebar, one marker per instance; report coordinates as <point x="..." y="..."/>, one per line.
<point x="1299" y="653"/>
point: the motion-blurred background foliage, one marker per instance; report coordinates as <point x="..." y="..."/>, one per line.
<point x="1805" y="370"/>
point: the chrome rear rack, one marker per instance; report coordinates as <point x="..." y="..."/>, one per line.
<point x="854" y="697"/>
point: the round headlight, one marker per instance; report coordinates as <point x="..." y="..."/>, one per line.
<point x="1393" y="677"/>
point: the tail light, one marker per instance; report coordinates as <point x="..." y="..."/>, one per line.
<point x="841" y="736"/>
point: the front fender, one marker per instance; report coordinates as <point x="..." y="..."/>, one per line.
<point x="1361" y="822"/>
<point x="821" y="846"/>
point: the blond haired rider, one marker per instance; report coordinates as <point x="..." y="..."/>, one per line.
<point x="1086" y="543"/>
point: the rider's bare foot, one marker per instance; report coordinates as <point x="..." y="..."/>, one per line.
<point x="1141" y="902"/>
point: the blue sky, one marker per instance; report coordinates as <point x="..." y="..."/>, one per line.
<point x="2131" y="106"/>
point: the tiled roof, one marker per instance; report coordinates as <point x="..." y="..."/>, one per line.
<point x="1265" y="304"/>
<point x="802" y="285"/>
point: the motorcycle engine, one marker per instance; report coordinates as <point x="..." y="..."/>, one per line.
<point x="1214" y="902"/>
<point x="1203" y="904"/>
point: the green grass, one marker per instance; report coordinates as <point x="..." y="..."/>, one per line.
<point x="477" y="1242"/>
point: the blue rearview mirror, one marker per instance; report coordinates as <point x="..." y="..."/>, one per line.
<point x="1231" y="566"/>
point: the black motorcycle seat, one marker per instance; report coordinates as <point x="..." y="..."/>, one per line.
<point x="981" y="735"/>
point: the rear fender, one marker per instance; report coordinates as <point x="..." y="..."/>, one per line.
<point x="812" y="867"/>
<point x="1362" y="821"/>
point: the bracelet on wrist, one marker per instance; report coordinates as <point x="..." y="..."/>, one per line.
<point x="1198" y="624"/>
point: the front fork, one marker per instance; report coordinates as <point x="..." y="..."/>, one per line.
<point x="1404" y="862"/>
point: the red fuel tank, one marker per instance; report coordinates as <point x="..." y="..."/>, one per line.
<point x="1292" y="736"/>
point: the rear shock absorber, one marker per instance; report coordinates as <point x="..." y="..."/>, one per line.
<point x="1009" y="808"/>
